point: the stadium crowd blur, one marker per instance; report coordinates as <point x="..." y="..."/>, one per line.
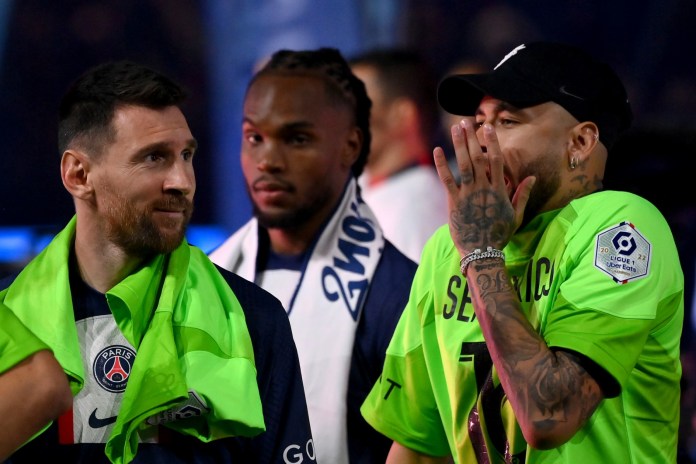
<point x="44" y="43"/>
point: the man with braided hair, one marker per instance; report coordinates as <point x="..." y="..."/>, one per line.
<point x="315" y="244"/>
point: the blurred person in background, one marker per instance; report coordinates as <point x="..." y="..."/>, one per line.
<point x="400" y="183"/>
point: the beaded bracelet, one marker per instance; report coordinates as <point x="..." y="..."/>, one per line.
<point x="478" y="254"/>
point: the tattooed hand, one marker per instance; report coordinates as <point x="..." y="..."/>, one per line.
<point x="481" y="213"/>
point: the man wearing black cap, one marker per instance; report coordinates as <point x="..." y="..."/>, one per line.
<point x="544" y="321"/>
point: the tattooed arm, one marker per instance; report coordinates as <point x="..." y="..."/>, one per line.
<point x="550" y="392"/>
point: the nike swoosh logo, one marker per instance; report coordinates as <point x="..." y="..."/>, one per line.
<point x="565" y="92"/>
<point x="97" y="423"/>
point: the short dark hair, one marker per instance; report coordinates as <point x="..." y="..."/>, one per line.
<point x="329" y="65"/>
<point x="403" y="72"/>
<point x="88" y="106"/>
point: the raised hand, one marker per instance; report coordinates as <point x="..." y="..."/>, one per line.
<point x="481" y="211"/>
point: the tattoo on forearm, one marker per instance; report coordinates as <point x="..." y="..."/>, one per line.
<point x="559" y="383"/>
<point x="489" y="285"/>
<point x="558" y="377"/>
<point x="484" y="265"/>
<point x="508" y="321"/>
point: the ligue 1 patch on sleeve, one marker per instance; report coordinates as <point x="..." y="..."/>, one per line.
<point x="623" y="253"/>
<point x="194" y="406"/>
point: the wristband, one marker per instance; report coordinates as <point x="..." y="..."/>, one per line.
<point x="478" y="254"/>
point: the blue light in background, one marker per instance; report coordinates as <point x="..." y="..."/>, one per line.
<point x="206" y="237"/>
<point x="16" y="244"/>
<point x="20" y="244"/>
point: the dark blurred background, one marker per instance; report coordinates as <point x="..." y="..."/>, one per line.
<point x="212" y="46"/>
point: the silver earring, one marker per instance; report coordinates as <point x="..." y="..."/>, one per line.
<point x="573" y="163"/>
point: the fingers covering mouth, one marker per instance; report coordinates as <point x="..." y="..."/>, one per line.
<point x="508" y="186"/>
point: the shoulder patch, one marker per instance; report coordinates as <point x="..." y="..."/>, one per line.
<point x="623" y="253"/>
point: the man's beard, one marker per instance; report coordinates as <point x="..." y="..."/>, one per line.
<point x="548" y="180"/>
<point x="136" y="232"/>
<point x="290" y="219"/>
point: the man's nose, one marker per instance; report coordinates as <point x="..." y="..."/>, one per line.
<point x="181" y="177"/>
<point x="270" y="160"/>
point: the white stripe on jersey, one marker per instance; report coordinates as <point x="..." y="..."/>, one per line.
<point x="107" y="358"/>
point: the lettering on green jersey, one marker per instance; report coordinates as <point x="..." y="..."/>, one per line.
<point x="536" y="281"/>
<point x="458" y="300"/>
<point x="477" y="353"/>
<point x="533" y="285"/>
<point x="392" y="385"/>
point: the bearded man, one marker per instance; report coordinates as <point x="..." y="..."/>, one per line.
<point x="170" y="358"/>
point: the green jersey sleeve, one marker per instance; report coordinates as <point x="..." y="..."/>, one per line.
<point x="620" y="278"/>
<point x="402" y="404"/>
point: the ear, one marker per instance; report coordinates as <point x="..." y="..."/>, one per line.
<point x="354" y="143"/>
<point x="74" y="170"/>
<point x="584" y="137"/>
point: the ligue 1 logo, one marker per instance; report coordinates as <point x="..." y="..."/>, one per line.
<point x="623" y="253"/>
<point x="112" y="367"/>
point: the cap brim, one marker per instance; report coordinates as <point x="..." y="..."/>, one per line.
<point x="462" y="93"/>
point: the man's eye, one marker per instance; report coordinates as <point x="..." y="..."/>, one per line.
<point x="299" y="139"/>
<point x="187" y="154"/>
<point x="507" y="122"/>
<point x="253" y="138"/>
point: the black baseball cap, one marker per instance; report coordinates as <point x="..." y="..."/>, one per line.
<point x="539" y="72"/>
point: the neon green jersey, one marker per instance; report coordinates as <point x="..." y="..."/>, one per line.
<point x="600" y="277"/>
<point x="16" y="341"/>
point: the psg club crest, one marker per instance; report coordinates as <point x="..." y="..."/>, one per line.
<point x="112" y="367"/>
